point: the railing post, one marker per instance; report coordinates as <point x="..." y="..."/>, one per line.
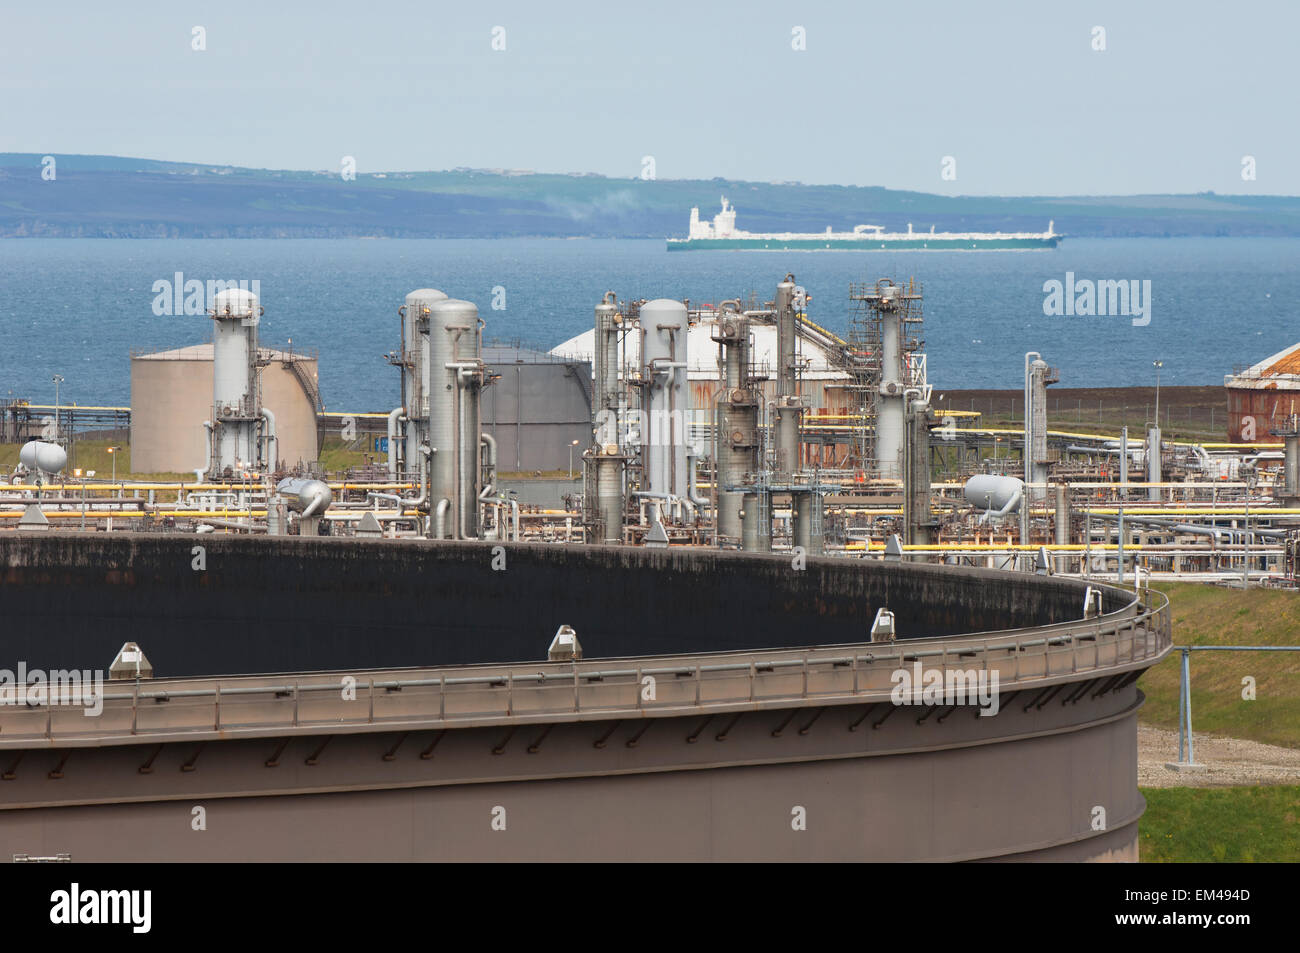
<point x="1182" y="710"/>
<point x="753" y="674"/>
<point x="371" y="719"/>
<point x="1187" y="693"/>
<point x="216" y="723"/>
<point x="638" y="687"/>
<point x="297" y="693"/>
<point x="442" y="697"/>
<point x="577" y="702"/>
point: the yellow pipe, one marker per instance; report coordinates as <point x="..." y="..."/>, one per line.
<point x="193" y="487"/>
<point x="70" y="407"/>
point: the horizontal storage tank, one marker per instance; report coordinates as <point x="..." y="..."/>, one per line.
<point x="46" y="457"/>
<point x="989" y="492"/>
<point x="308" y="497"/>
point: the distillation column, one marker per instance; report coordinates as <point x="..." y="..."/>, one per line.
<point x="455" y="374"/>
<point x="664" y="325"/>
<point x="414" y="361"/>
<point x="1153" y="463"/>
<point x="236" y="394"/>
<point x="789" y="407"/>
<point x="604" y="491"/>
<point x="891" y="402"/>
<point x="737" y="428"/>
<point x="1036" y="459"/>
<point x="918" y="519"/>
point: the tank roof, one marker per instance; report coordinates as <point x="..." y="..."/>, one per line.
<point x="1280" y="371"/>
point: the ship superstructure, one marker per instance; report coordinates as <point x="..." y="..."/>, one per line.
<point x="722" y="233"/>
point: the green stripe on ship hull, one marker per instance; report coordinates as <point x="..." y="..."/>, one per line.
<point x="942" y="244"/>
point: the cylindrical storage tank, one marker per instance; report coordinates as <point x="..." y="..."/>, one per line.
<point x="609" y="494"/>
<point x="308" y="497"/>
<point x="664" y="352"/>
<point x="42" y="456"/>
<point x="236" y="405"/>
<point x="415" y="374"/>
<point x="989" y="492"/>
<point x="455" y="373"/>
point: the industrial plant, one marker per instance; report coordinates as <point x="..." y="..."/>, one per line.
<point x="766" y="521"/>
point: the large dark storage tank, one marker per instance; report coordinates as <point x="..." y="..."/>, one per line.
<point x="292" y="604"/>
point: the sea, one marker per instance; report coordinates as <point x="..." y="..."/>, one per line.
<point x="78" y="308"/>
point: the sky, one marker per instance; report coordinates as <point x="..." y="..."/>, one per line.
<point x="973" y="98"/>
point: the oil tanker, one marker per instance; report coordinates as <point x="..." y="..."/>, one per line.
<point x="722" y="234"/>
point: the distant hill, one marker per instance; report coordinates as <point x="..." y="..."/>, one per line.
<point x="113" y="197"/>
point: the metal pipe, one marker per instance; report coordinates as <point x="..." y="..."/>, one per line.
<point x="691" y="493"/>
<point x="272" y="459"/>
<point x="440" y="518"/>
<point x="393" y="419"/>
<point x="489" y="486"/>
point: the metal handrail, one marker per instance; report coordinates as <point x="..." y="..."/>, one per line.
<point x="585" y="687"/>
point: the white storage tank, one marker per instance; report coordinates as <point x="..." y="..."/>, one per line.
<point x="998" y="493"/>
<point x="45" y="457"/>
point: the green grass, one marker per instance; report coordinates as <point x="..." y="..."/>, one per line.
<point x="94" y="455"/>
<point x="1210" y="615"/>
<point x="1220" y="825"/>
<point x="337" y="455"/>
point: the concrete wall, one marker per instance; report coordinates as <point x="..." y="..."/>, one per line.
<point x="171" y="397"/>
<point x="287" y="604"/>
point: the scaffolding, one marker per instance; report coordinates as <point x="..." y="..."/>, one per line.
<point x="864" y="357"/>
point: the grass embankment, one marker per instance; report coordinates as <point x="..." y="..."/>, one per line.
<point x="1210" y="615"/>
<point x="1220" y="825"/>
<point x="93" y="455"/>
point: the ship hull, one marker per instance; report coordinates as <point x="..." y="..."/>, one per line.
<point x="919" y="243"/>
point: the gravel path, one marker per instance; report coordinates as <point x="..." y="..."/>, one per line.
<point x="1228" y="761"/>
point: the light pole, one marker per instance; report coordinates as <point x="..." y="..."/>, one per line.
<point x="571" y="446"/>
<point x="112" y="452"/>
<point x="1157" y="365"/>
<point x="58" y="379"/>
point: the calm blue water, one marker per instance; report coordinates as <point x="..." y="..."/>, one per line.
<point x="79" y="307"/>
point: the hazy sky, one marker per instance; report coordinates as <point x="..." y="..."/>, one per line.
<point x="1014" y="92"/>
